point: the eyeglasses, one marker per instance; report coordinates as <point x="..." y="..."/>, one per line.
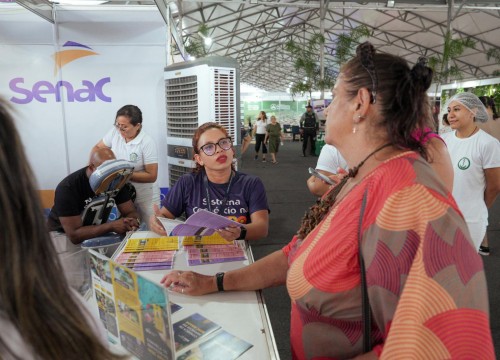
<point x="120" y="127"/>
<point x="210" y="148"/>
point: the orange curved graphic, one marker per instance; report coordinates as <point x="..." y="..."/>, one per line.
<point x="64" y="57"/>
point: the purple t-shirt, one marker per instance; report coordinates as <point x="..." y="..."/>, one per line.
<point x="189" y="194"/>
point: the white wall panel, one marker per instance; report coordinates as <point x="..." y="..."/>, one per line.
<point x="126" y="53"/>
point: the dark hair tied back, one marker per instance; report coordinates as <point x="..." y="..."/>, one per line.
<point x="421" y="75"/>
<point x="366" y="54"/>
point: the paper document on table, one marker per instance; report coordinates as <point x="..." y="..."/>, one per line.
<point x="169" y="224"/>
<point x="135" y="311"/>
<point x="201" y="223"/>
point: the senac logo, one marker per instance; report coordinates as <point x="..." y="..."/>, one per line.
<point x="43" y="90"/>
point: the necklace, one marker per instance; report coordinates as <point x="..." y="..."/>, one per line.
<point x="352" y="172"/>
<point x="315" y="214"/>
<point x="472" y="133"/>
<point x="224" y="200"/>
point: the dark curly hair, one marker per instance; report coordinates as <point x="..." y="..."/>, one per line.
<point x="400" y="93"/>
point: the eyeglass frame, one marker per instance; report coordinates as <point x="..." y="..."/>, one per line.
<point x="124" y="127"/>
<point x="202" y="148"/>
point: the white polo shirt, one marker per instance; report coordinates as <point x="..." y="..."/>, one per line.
<point x="469" y="158"/>
<point x="141" y="150"/>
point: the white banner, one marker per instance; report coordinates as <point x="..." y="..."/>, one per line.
<point x="67" y="83"/>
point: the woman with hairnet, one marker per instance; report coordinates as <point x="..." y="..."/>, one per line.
<point x="475" y="156"/>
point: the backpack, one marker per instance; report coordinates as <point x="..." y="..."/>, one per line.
<point x="310" y="120"/>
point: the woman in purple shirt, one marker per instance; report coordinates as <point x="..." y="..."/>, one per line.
<point x="215" y="186"/>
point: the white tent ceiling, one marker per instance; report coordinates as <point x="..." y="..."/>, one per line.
<point x="255" y="31"/>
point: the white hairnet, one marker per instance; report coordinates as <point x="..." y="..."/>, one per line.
<point x="472" y="103"/>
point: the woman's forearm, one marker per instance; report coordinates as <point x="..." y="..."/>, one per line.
<point x="266" y="272"/>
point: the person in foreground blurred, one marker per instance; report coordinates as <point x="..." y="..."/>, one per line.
<point x="476" y="161"/>
<point x="384" y="265"/>
<point x="40" y="317"/>
<point x="215" y="186"/>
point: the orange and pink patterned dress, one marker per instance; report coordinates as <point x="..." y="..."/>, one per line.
<point x="426" y="283"/>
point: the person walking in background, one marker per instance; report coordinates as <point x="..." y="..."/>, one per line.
<point x="309" y="125"/>
<point x="41" y="317"/>
<point x="275" y="137"/>
<point x="129" y="142"/>
<point x="246" y="139"/>
<point x="383" y="266"/>
<point x="475" y="156"/>
<point x="259" y="131"/>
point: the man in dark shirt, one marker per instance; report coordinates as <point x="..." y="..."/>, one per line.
<point x="308" y="126"/>
<point x="74" y="193"/>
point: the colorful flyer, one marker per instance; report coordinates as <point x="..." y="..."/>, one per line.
<point x="134" y="310"/>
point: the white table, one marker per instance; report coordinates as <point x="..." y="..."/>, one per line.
<point x="242" y="314"/>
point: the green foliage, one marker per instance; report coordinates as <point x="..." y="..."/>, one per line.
<point x="203" y="30"/>
<point x="444" y="97"/>
<point x="194" y="43"/>
<point x="493" y="53"/>
<point x="496" y="73"/>
<point x="307" y="58"/>
<point x="492" y="91"/>
<point x="452" y="49"/>
<point x="344" y="46"/>
<point x="301" y="88"/>
<point x="195" y="47"/>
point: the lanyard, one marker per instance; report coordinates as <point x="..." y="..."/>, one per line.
<point x="224" y="200"/>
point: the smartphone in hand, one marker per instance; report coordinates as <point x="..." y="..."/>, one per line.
<point x="321" y="176"/>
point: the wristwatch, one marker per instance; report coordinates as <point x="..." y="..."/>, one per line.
<point x="219" y="277"/>
<point x="243" y="233"/>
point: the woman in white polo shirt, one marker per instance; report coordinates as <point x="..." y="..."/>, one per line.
<point x="128" y="141"/>
<point x="475" y="157"/>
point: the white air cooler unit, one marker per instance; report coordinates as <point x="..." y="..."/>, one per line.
<point x="200" y="91"/>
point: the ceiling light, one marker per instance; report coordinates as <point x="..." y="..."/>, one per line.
<point x="390" y="3"/>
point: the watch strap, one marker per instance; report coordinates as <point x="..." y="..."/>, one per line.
<point x="219" y="277"/>
<point x="243" y="233"/>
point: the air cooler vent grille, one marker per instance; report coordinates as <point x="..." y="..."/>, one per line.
<point x="175" y="172"/>
<point x="182" y="106"/>
<point x="225" y="99"/>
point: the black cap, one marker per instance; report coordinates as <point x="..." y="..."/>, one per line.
<point x="309" y="106"/>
